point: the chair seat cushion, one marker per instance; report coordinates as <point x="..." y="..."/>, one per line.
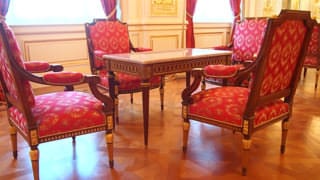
<point x="61" y="112"/>
<point x="227" y="104"/>
<point x="220" y="70"/>
<point x="311" y="61"/>
<point x="128" y="82"/>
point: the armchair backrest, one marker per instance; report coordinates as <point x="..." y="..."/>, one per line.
<point x="313" y="54"/>
<point x="279" y="63"/>
<point x="11" y="64"/>
<point x="247" y="38"/>
<point x="106" y="37"/>
<point x="16" y="88"/>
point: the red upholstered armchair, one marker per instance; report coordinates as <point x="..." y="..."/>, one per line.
<point x="246" y="44"/>
<point x="312" y="59"/>
<point x="269" y="98"/>
<point x="52" y="116"/>
<point x="111" y="37"/>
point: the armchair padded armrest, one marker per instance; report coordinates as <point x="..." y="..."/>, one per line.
<point x="223" y="47"/>
<point x="63" y="78"/>
<point x="221" y="71"/>
<point x="141" y="49"/>
<point x="37" y="66"/>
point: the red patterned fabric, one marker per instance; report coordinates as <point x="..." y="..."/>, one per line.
<point x="109" y="37"/>
<point x="63" y="77"/>
<point x="7" y="74"/>
<point x="313" y="47"/>
<point x="37" y="66"/>
<point x="127" y="82"/>
<point x="227" y="104"/>
<point x="221" y="70"/>
<point x="141" y="49"/>
<point x="62" y="112"/>
<point x="285" y="48"/>
<point x="247" y="39"/>
<point x="313" y="54"/>
<point x="311" y="61"/>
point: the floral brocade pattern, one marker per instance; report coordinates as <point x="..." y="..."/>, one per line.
<point x="248" y="37"/>
<point x="227" y="105"/>
<point x="282" y="60"/>
<point x="61" y="112"/>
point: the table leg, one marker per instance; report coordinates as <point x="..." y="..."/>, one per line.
<point x="188" y="76"/>
<point x="145" y="85"/>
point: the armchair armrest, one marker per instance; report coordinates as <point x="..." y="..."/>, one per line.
<point x="222" y="71"/>
<point x="141" y="49"/>
<point x="63" y="78"/>
<point x="223" y="47"/>
<point x="41" y="66"/>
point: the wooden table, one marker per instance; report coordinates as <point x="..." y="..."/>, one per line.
<point x="155" y="63"/>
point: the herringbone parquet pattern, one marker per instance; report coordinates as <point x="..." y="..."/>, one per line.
<point x="213" y="153"/>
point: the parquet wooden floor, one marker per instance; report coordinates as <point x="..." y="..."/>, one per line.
<point x="213" y="153"/>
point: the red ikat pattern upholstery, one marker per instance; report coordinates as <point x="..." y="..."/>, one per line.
<point x="227" y="105"/>
<point x="282" y="60"/>
<point x="58" y="113"/>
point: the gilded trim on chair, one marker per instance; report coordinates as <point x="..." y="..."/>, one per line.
<point x="184" y="112"/>
<point x="246" y="143"/>
<point x="109" y="122"/>
<point x="34" y="137"/>
<point x="245" y="129"/>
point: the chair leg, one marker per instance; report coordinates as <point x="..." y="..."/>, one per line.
<point x="131" y="98"/>
<point x="186" y="128"/>
<point x="161" y="89"/>
<point x="109" y="140"/>
<point x="284" y="127"/>
<point x="304" y="73"/>
<point x="34" y="156"/>
<point x="14" y="142"/>
<point x="246" y="143"/>
<point x="317" y="78"/>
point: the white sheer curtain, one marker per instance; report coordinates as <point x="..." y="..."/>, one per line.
<point x="29" y="12"/>
<point x="208" y="11"/>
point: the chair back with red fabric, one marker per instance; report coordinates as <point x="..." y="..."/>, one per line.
<point x="14" y="83"/>
<point x="281" y="60"/>
<point x="312" y="59"/>
<point x="247" y="39"/>
<point x="106" y="37"/>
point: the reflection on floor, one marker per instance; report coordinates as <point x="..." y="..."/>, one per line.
<point x="213" y="153"/>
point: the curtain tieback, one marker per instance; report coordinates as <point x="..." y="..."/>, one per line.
<point x="111" y="13"/>
<point x="189" y="15"/>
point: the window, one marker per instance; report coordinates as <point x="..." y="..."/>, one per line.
<point x="208" y="11"/>
<point x="32" y="12"/>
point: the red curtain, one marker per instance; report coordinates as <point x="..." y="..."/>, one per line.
<point x="109" y="7"/>
<point x="4" y="6"/>
<point x="191" y="6"/>
<point x="235" y="7"/>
